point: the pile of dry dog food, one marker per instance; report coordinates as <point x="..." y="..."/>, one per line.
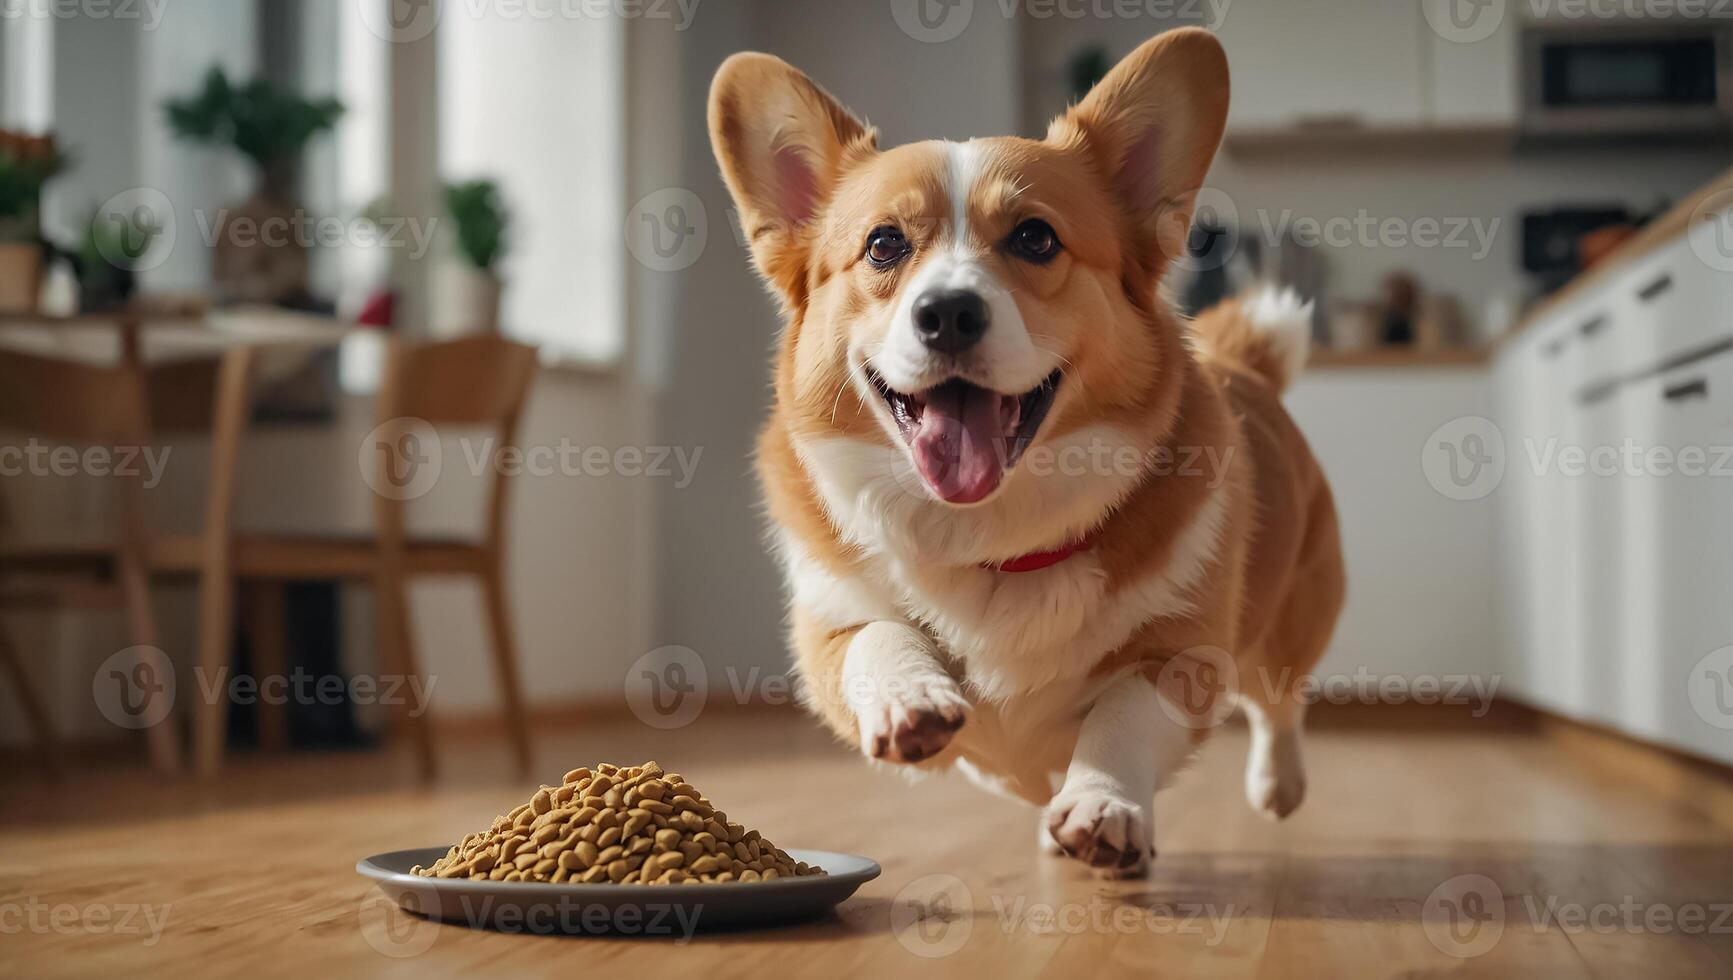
<point x="633" y="825"/>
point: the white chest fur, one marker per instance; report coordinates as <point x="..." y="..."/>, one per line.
<point x="1010" y="632"/>
<point x="1025" y="642"/>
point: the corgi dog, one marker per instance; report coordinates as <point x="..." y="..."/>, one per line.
<point x="1036" y="527"/>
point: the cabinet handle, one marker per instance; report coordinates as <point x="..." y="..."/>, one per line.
<point x="1694" y="388"/>
<point x="1656" y="288"/>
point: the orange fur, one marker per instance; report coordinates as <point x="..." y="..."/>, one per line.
<point x="1251" y="548"/>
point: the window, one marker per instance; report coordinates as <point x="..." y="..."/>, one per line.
<point x="533" y="96"/>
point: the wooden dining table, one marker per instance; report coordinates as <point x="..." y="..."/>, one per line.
<point x="252" y="348"/>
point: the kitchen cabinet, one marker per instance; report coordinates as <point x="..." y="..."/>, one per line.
<point x="1682" y="415"/>
<point x="1363" y="60"/>
<point x="1616" y="562"/>
<point x="1389" y="67"/>
<point x="1472" y="77"/>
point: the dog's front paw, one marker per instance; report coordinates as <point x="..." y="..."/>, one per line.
<point x="912" y="719"/>
<point x="1103" y="830"/>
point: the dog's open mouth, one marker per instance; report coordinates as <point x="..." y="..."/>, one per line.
<point x="965" y="437"/>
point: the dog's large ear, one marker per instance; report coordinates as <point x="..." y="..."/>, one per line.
<point x="1153" y="125"/>
<point x="781" y="141"/>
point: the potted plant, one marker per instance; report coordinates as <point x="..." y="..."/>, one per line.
<point x="470" y="292"/>
<point x="112" y="245"/>
<point x="26" y="163"/>
<point x="270" y="127"/>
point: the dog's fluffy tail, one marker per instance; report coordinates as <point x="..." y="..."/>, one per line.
<point x="1266" y="331"/>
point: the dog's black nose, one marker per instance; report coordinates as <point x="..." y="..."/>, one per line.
<point x="950" y="320"/>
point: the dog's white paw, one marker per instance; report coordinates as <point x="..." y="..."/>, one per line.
<point x="912" y="719"/>
<point x="1044" y="841"/>
<point x="1103" y="830"/>
<point x="1275" y="777"/>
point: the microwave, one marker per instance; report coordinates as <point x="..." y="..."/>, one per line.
<point x="1626" y="81"/>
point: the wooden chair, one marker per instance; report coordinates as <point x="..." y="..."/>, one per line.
<point x="476" y="381"/>
<point x="71" y="402"/>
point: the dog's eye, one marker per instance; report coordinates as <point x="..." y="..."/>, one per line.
<point x="885" y="247"/>
<point x="1035" y="241"/>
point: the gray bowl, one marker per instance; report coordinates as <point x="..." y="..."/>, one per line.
<point x="644" y="910"/>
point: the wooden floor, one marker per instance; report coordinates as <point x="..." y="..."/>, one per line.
<point x="1467" y="850"/>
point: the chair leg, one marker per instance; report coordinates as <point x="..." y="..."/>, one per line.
<point x="267" y="624"/>
<point x="33" y="708"/>
<point x="216" y="621"/>
<point x="164" y="739"/>
<point x="505" y="663"/>
<point x="398" y="656"/>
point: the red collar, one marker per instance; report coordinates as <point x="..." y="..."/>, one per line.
<point x="1037" y="560"/>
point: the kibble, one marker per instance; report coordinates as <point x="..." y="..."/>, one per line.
<point x="631" y="825"/>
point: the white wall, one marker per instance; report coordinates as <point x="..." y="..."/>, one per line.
<point x="1420" y="565"/>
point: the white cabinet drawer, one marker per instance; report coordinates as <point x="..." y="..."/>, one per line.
<point x="1678" y="525"/>
<point x="1684" y="301"/>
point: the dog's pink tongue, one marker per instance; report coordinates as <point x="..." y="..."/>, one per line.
<point x="957" y="445"/>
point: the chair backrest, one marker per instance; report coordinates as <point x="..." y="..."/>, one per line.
<point x="476" y="381"/>
<point x="42" y="396"/>
<point x="71" y="400"/>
